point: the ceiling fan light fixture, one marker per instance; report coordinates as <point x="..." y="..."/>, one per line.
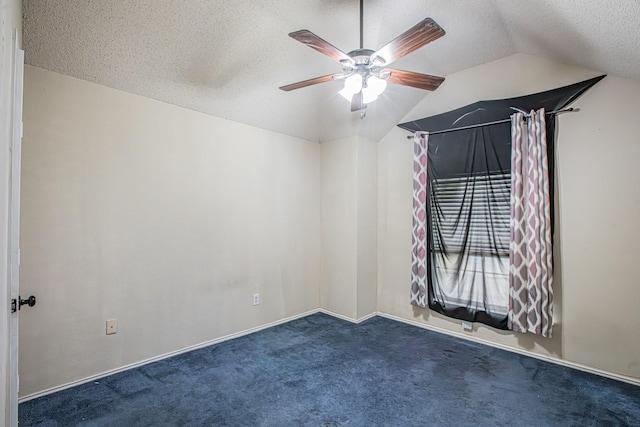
<point x="346" y="94"/>
<point x="375" y="87"/>
<point x="352" y="85"/>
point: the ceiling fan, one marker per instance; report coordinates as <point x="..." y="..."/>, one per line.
<point x="364" y="70"/>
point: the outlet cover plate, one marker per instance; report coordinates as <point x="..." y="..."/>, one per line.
<point x="112" y="326"/>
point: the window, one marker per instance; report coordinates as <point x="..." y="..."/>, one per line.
<point x="470" y="231"/>
<point x="460" y="241"/>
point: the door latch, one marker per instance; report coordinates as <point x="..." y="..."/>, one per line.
<point x="31" y="301"/>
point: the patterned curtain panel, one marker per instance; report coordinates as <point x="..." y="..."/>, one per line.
<point x="530" y="256"/>
<point x="419" y="236"/>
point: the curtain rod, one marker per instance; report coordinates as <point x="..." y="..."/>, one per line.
<point x="566" y="110"/>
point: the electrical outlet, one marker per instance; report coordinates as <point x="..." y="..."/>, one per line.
<point x="256" y="299"/>
<point x="112" y="326"/>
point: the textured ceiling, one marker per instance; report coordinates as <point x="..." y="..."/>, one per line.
<point x="228" y="58"/>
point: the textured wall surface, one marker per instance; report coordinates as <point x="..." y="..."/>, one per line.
<point x="163" y="218"/>
<point x="349" y="227"/>
<point x="339" y="292"/>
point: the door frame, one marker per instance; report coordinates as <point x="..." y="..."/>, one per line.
<point x="15" y="161"/>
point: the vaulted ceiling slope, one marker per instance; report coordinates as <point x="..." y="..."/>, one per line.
<point x="228" y="58"/>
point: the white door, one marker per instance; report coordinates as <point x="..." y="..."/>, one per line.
<point x="14" y="229"/>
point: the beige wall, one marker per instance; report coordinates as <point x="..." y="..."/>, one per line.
<point x="367" y="245"/>
<point x="164" y="218"/>
<point x="598" y="206"/>
<point x="338" y="291"/>
<point x="349" y="227"/>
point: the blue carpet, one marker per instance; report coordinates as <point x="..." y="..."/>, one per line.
<point x="322" y="371"/>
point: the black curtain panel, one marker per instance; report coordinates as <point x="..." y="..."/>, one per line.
<point x="468" y="203"/>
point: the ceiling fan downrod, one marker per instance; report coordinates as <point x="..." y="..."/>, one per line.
<point x="361" y="24"/>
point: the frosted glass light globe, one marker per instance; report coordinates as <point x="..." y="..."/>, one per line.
<point x="353" y="83"/>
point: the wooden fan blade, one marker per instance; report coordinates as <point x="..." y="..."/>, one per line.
<point x="309" y="82"/>
<point x="356" y="102"/>
<point x="414" y="38"/>
<point x="321" y="45"/>
<point x="409" y="78"/>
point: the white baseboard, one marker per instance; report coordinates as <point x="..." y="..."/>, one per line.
<point x="600" y="372"/>
<point x="347" y="318"/>
<point x="546" y="358"/>
<point x="163" y="356"/>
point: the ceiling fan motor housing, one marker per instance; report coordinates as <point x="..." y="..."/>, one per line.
<point x="364" y="65"/>
<point x="361" y="56"/>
